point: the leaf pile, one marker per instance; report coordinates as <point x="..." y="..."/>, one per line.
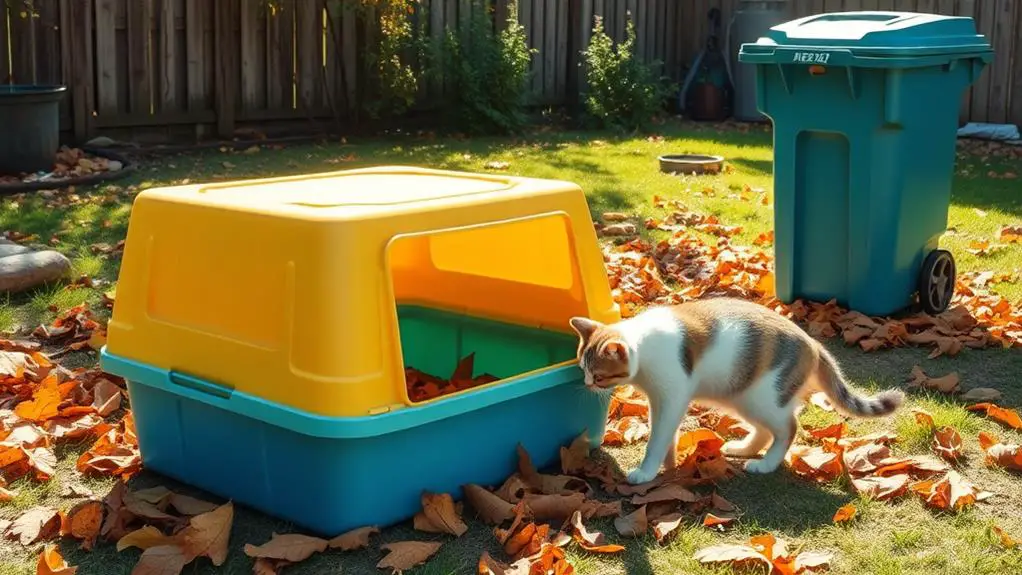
<point x="875" y="472"/>
<point x="639" y="273"/>
<point x="42" y="405"/>
<point x="423" y="386"/>
<point x="69" y="163"/>
<point x="764" y="552"/>
<point x="75" y="329"/>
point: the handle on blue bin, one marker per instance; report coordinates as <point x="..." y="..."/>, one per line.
<point x="201" y="385"/>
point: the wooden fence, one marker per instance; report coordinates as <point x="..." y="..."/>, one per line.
<point x="198" y="64"/>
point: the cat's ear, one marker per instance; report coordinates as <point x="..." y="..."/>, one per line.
<point x="584" y="327"/>
<point x="615" y="350"/>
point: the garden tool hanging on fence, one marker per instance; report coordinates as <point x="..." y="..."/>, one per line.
<point x="707" y="92"/>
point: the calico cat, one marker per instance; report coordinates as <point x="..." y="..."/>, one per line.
<point x="727" y="352"/>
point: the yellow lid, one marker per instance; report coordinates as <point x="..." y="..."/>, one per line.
<point x="286" y="288"/>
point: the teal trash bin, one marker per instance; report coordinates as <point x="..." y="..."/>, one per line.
<point x="865" y="113"/>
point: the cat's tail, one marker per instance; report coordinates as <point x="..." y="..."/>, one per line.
<point x="833" y="383"/>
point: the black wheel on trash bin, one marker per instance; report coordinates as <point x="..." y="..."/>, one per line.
<point x="937" y="281"/>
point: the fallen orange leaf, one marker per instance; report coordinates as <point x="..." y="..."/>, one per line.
<point x="1006" y="540"/>
<point x="1008" y="456"/>
<point x="947" y="443"/>
<point x="845" y="513"/>
<point x="593" y="541"/>
<point x="835" y="431"/>
<point x="817" y="463"/>
<point x="527" y="541"/>
<point x="1006" y="417"/>
<point x="626" y="431"/>
<point x="711" y="520"/>
<point x="949" y="492"/>
<point x="145" y="538"/>
<point x="83" y="522"/>
<point x="52" y="563"/>
<point x="45" y="402"/>
<point x="923" y="417"/>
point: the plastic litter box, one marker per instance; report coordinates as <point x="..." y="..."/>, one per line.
<point x="264" y="328"/>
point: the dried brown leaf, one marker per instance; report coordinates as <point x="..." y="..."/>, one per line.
<point x="634" y="524"/>
<point x="439" y="511"/>
<point x="292" y="547"/>
<point x="490" y="508"/>
<point x="354" y="539"/>
<point x="36" y="524"/>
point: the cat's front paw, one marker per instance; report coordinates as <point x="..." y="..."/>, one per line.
<point x="760" y="466"/>
<point x="638" y="476"/>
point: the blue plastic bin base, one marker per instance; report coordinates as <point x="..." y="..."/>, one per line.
<point x="331" y="485"/>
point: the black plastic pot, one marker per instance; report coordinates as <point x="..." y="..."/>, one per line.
<point x="29" y="128"/>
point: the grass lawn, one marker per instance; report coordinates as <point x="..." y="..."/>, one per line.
<point x="617" y="175"/>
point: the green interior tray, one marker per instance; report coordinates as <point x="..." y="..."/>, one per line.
<point x="434" y="341"/>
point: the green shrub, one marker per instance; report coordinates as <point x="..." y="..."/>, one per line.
<point x="484" y="72"/>
<point x="394" y="80"/>
<point x="623" y="92"/>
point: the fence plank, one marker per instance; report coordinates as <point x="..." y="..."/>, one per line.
<point x="536" y="24"/>
<point x="350" y="40"/>
<point x="1015" y="95"/>
<point x="196" y="16"/>
<point x="966" y="8"/>
<point x="5" y="69"/>
<point x="252" y="70"/>
<point x="139" y="35"/>
<point x="106" y="56"/>
<point x="985" y="12"/>
<point x="309" y="54"/>
<point x="561" y="51"/>
<point x="226" y="77"/>
<point x="549" y="50"/>
<point x="833" y="6"/>
<point x="436" y="34"/>
<point x="1000" y="69"/>
<point x="168" y="55"/>
<point x="76" y="24"/>
<point x="927" y="6"/>
<point x="23" y="41"/>
<point x="47" y="42"/>
<point x="333" y="91"/>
